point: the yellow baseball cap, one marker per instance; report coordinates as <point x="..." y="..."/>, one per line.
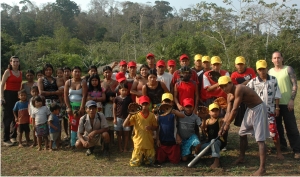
<point x="167" y="96"/>
<point x="240" y="60"/>
<point x="197" y="57"/>
<point x="213" y="106"/>
<point x="261" y="64"/>
<point x="215" y="59"/>
<point x="205" y="58"/>
<point x="223" y="80"/>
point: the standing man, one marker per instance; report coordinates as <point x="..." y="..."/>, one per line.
<point x="171" y="66"/>
<point x="255" y="121"/>
<point x="202" y="92"/>
<point x="287" y="83"/>
<point x="122" y="68"/>
<point x="151" y="60"/>
<point x="162" y="75"/>
<point x="198" y="64"/>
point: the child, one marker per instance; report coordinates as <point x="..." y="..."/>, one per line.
<point x="120" y="113"/>
<point x="34" y="92"/>
<point x="108" y="112"/>
<point x="167" y="146"/>
<point x="95" y="91"/>
<point x="40" y="115"/>
<point x="54" y="125"/>
<point x="60" y="84"/>
<point x="39" y="74"/>
<point x="144" y="124"/>
<point x="186" y="129"/>
<point x="74" y="122"/>
<point x="22" y="117"/>
<point x="30" y="82"/>
<point x="211" y="127"/>
<point x="266" y="87"/>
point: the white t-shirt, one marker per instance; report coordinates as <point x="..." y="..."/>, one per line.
<point x="40" y="115"/>
<point x="113" y="76"/>
<point x="166" y="78"/>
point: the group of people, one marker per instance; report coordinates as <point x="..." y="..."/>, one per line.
<point x="89" y="109"/>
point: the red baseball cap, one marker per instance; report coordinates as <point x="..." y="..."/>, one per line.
<point x="122" y="62"/>
<point x="150" y="55"/>
<point x="171" y="63"/>
<point x="144" y="99"/>
<point x="184" y="56"/>
<point x="160" y="63"/>
<point x="188" y="102"/>
<point x="131" y="63"/>
<point x="120" y="76"/>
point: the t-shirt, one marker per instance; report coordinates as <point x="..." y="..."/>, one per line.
<point x="185" y="90"/>
<point x="238" y="78"/>
<point x="122" y="106"/>
<point x="207" y="81"/>
<point x="167" y="128"/>
<point x="55" y="122"/>
<point x="108" y="110"/>
<point x="74" y="122"/>
<point x="40" y="115"/>
<point x="176" y="77"/>
<point x="22" y="110"/>
<point x="165" y="78"/>
<point x="85" y="126"/>
<point x="186" y="125"/>
<point x="268" y="91"/>
<point x="142" y="138"/>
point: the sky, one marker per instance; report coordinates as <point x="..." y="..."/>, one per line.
<point x="178" y="4"/>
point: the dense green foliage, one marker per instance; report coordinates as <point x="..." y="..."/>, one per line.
<point x="62" y="34"/>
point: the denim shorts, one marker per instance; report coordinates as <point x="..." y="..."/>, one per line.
<point x="119" y="126"/>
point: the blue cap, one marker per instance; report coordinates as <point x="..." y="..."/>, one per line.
<point x="90" y="103"/>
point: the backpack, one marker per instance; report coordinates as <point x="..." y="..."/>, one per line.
<point x="84" y="118"/>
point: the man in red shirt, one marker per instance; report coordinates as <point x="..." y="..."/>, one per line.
<point x="171" y="66"/>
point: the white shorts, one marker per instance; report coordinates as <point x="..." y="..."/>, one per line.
<point x="255" y="122"/>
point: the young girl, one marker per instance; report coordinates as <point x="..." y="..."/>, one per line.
<point x="95" y="92"/>
<point x="40" y="115"/>
<point x="108" y="112"/>
<point x="30" y="82"/>
<point x="34" y="92"/>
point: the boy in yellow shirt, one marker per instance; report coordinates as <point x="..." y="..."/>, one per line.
<point x="144" y="124"/>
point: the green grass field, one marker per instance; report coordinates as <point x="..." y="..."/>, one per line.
<point x="29" y="162"/>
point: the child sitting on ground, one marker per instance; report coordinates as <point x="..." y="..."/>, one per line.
<point x="22" y="117"/>
<point x="186" y="129"/>
<point x="211" y="127"/>
<point x="144" y="124"/>
<point x="54" y="126"/>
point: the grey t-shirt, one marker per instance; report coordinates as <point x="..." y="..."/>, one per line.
<point x="86" y="127"/>
<point x="186" y="125"/>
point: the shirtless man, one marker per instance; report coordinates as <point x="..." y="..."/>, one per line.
<point x="255" y="121"/>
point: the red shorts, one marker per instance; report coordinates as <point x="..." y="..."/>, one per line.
<point x="163" y="153"/>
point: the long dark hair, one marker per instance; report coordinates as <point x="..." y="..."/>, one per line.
<point x="10" y="60"/>
<point x="91" y="88"/>
<point x="47" y="65"/>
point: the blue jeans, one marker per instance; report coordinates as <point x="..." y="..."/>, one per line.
<point x="73" y="138"/>
<point x="215" y="148"/>
<point x="291" y="128"/>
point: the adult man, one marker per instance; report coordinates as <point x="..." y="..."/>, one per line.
<point x="122" y="68"/>
<point x="198" y="63"/>
<point x="287" y="83"/>
<point x="92" y="128"/>
<point x="202" y="92"/>
<point x="255" y="120"/>
<point x="171" y="66"/>
<point x="132" y="71"/>
<point x="151" y="60"/>
<point x="162" y="75"/>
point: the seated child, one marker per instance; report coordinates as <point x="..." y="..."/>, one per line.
<point x="167" y="146"/>
<point x="211" y="127"/>
<point x="186" y="129"/>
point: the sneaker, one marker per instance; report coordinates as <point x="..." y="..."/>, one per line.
<point x="297" y="156"/>
<point x="13" y="140"/>
<point x="88" y="152"/>
<point x="224" y="149"/>
<point x="8" y="143"/>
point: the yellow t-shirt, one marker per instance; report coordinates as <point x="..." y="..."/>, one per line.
<point x="143" y="138"/>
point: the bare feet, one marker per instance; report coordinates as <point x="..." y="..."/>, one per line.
<point x="32" y="146"/>
<point x="46" y="149"/>
<point x="259" y="172"/>
<point x="50" y="150"/>
<point x="39" y="149"/>
<point x="20" y="145"/>
<point x="280" y="156"/>
<point x="239" y="160"/>
<point x="215" y="165"/>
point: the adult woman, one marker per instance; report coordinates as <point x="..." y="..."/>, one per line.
<point x="154" y="89"/>
<point x="10" y="85"/>
<point x="75" y="92"/>
<point x="139" y="82"/>
<point x="48" y="86"/>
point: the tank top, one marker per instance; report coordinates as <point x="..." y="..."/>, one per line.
<point x="13" y="83"/>
<point x="212" y="132"/>
<point x="75" y="95"/>
<point x="155" y="94"/>
<point x="284" y="84"/>
<point x="48" y="86"/>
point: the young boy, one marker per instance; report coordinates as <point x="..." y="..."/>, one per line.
<point x="54" y="126"/>
<point x="211" y="127"/>
<point x="167" y="146"/>
<point x="120" y="113"/>
<point x="22" y="116"/>
<point x="186" y="129"/>
<point x="144" y="124"/>
<point x="266" y="87"/>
